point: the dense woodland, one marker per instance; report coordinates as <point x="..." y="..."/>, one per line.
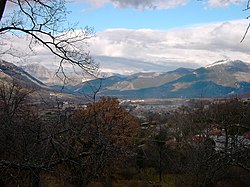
<point x="104" y="145"/>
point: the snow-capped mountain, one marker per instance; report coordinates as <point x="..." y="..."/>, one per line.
<point x="221" y="79"/>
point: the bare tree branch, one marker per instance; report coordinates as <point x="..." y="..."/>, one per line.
<point x="43" y="21"/>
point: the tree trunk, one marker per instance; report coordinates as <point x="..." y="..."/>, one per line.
<point x="160" y="164"/>
<point x="35" y="179"/>
<point x="2" y="7"/>
<point x="226" y="140"/>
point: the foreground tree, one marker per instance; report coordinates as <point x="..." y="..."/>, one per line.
<point x="21" y="129"/>
<point x="91" y="143"/>
<point x="211" y="143"/>
<point x="105" y="130"/>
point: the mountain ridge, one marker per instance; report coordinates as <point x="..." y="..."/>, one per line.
<point x="10" y="71"/>
<point x="220" y="79"/>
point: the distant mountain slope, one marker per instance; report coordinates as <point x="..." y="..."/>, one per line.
<point x="149" y="80"/>
<point x="246" y="94"/>
<point x="40" y="72"/>
<point x="225" y="74"/>
<point x="9" y="71"/>
<point x="89" y="87"/>
<point x="204" y="89"/>
<point x="221" y="79"/>
<point x="52" y="77"/>
<point x="228" y="72"/>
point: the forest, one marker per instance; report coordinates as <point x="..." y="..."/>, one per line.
<point x="202" y="144"/>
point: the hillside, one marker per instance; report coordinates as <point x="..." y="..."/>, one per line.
<point x="9" y="71"/>
<point x="148" y="80"/>
<point x="220" y="79"/>
<point x="40" y="72"/>
<point x="52" y="77"/>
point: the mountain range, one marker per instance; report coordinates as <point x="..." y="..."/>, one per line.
<point x="55" y="76"/>
<point x="10" y="73"/>
<point x="223" y="78"/>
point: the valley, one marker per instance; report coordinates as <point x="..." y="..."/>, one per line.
<point x="190" y="116"/>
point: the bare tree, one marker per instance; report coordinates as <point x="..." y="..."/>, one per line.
<point x="105" y="131"/>
<point x="19" y="130"/>
<point x="43" y="21"/>
<point x="212" y="141"/>
<point x="77" y="148"/>
<point x="248" y="27"/>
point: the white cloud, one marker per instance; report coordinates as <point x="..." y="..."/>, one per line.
<point x="156" y="4"/>
<point x="93" y="3"/>
<point x="126" y="50"/>
<point x="137" y="4"/>
<point x="200" y="45"/>
<point x="223" y="3"/>
<point x="149" y="4"/>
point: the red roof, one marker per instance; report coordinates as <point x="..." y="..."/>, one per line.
<point x="215" y="132"/>
<point x="247" y="135"/>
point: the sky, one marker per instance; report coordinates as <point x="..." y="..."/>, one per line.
<point x="159" y="35"/>
<point x="153" y="14"/>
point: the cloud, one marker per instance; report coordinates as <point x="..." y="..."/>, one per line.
<point x="149" y="4"/>
<point x="200" y="45"/>
<point x="93" y="3"/>
<point x="137" y="4"/>
<point x="129" y="51"/>
<point x="223" y="3"/>
<point x="156" y="4"/>
<point x="129" y="66"/>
